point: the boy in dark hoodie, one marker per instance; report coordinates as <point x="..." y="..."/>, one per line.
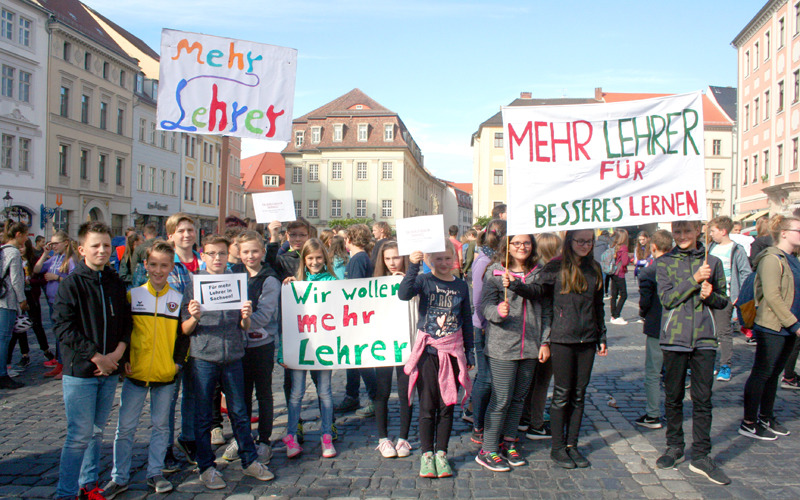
<point x="689" y="286"/>
<point x="92" y="320"/>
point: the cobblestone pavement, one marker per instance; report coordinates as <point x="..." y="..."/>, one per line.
<point x="623" y="455"/>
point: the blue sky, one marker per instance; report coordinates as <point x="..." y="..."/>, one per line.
<point x="446" y="66"/>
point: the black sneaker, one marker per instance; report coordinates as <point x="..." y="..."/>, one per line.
<point x="510" y="454"/>
<point x="189" y="450"/>
<point x="112" y="489"/>
<point x="757" y="431"/>
<point x="23" y="362"/>
<point x="7" y="382"/>
<point x="561" y="458"/>
<point x="790" y="383"/>
<point x="477" y="436"/>
<point x="706" y="466"/>
<point x="580" y="461"/>
<point x="535" y="433"/>
<point x="159" y="484"/>
<point x="670" y="458"/>
<point x="348" y="404"/>
<point x="649" y="422"/>
<point x="171" y="463"/>
<point x="492" y="461"/>
<point x="774" y="426"/>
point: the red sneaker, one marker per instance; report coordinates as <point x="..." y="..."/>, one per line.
<point x="50" y="364"/>
<point x="55" y="371"/>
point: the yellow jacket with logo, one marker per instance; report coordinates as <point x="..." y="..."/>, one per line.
<point x="156" y="327"/>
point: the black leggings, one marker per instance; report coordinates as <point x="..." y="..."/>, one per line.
<point x="762" y="384"/>
<point x="35" y="314"/>
<point x="619" y="294"/>
<point x="383" y="380"/>
<point x="572" y="369"/>
<point x="257" y="365"/>
<point x="435" y="417"/>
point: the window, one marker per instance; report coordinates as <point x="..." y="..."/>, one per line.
<point x="8" y="81"/>
<point x="297" y="175"/>
<point x="766" y="105"/>
<point x="745" y="176"/>
<point x="755" y="55"/>
<point x="191" y="190"/>
<point x="103" y="115"/>
<point x="716" y="148"/>
<point x="386" y="171"/>
<point x="715" y="208"/>
<point x="336" y="209"/>
<point x="716" y="180"/>
<point x="85" y="108"/>
<point x="498" y="140"/>
<point x="796" y="86"/>
<point x="25" y="31"/>
<point x="162" y="139"/>
<point x="313" y="208"/>
<point x="139" y="83"/>
<point x="298" y="138"/>
<point x="7" y="24"/>
<point x="746" y="62"/>
<point x="336" y="170"/>
<point x="64" y="102"/>
<point x="316" y="134"/>
<point x="313" y="172"/>
<point x="388" y="132"/>
<point x="298" y="209"/>
<point x="65" y="52"/>
<point x="8" y="151"/>
<point x="386" y="208"/>
<point x="105" y="70"/>
<point x="795" y="147"/>
<point x="140" y="181"/>
<point x="172" y="141"/>
<point x="779" y="167"/>
<point x="151" y="179"/>
<point x="24" y="86"/>
<point x="24" y="154"/>
<point x="756" y="114"/>
<point x="361" y="208"/>
<point x="498" y="177"/>
<point x="362" y="132"/>
<point x="755" y="168"/>
<point x="766" y="45"/>
<point x="361" y="171"/>
<point x="781" y="95"/>
<point x="162" y="182"/>
<point x="797" y="18"/>
<point x="205" y="188"/>
<point x="119" y="171"/>
<point x="270" y="180"/>
<point x="84" y="165"/>
<point x="101" y="168"/>
<point x="120" y="121"/>
<point x="766" y="163"/>
<point x="122" y="78"/>
<point x="152" y="138"/>
<point x="338" y="133"/>
<point x="173" y="182"/>
<point x="143" y="127"/>
<point x="87" y="61"/>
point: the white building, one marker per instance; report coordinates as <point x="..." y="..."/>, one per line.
<point x="457" y="206"/>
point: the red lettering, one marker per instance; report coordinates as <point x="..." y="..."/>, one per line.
<point x="306" y="322"/>
<point x="679" y="203"/>
<point x="581" y="146"/>
<point x="348" y="317"/>
<point x="692" y="202"/>
<point x="513" y="137"/>
<point x="327" y="317"/>
<point x="539" y="143"/>
<point x="220" y="106"/>
<point x="668" y="204"/>
<point x="654" y="201"/>
<point x="638" y="167"/>
<point x="555" y="141"/>
<point x="603" y="170"/>
<point x="272" y="116"/>
<point x="366" y="315"/>
<point x="630" y="202"/>
<point x="627" y="169"/>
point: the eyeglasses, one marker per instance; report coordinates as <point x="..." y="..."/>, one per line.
<point x="517" y="244"/>
<point x="583" y="243"/>
<point x="214" y="255"/>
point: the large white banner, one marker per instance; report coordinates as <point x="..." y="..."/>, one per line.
<point x="358" y="323"/>
<point x="604" y="165"/>
<point x="214" y="85"/>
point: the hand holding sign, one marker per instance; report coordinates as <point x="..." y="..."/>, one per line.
<point x="425" y="234"/>
<point x="220" y="292"/>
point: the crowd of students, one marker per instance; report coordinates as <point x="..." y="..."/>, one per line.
<point x="536" y="314"/>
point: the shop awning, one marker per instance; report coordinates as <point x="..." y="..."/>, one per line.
<point x="741" y="217"/>
<point x="758" y="215"/>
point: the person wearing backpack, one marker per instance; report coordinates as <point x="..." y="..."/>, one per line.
<point x="617" y="268"/>
<point x="776" y="328"/>
<point x="601" y="244"/>
<point x="12" y="294"/>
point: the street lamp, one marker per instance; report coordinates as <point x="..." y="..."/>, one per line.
<point x="7" y="201"/>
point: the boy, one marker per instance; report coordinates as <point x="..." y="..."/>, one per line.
<point x="688" y="287"/>
<point x="92" y="320"/>
<point x="217" y="349"/>
<point x="453" y="232"/>
<point x="264" y="291"/>
<point x="468" y="249"/>
<point x="285" y="264"/>
<point x="154" y="357"/>
<point x="650" y="310"/>
<point x="736" y="266"/>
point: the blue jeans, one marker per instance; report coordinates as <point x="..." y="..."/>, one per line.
<point x="653" y="362"/>
<point x="324" y="393"/>
<point x="482" y="387"/>
<point x="231" y="377"/>
<point x="131" y="402"/>
<point x="186" y="378"/>
<point x="87" y="402"/>
<point x="7" y="319"/>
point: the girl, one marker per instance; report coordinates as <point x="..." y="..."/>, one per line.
<point x="488" y="242"/>
<point x="339" y="256"/>
<point x="125" y="268"/>
<point x="390" y="263"/>
<point x="643" y="257"/>
<point x="442" y="352"/>
<point x="574" y="282"/>
<point x="33" y="291"/>
<point x="14" y="298"/>
<point x="316" y="267"/>
<point x="514" y="335"/>
<point x="619" y="290"/>
<point x="775" y="328"/>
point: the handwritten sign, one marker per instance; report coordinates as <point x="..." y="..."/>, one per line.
<point x="220" y="292"/>
<point x="602" y="165"/>
<point x="425" y="233"/>
<point x="345" y="324"/>
<point x="277" y="205"/>
<point x="213" y="85"/>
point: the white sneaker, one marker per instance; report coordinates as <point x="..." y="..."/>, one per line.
<point x="259" y="471"/>
<point x="618" y="321"/>
<point x="386" y="447"/>
<point x="328" y="451"/>
<point x="216" y="436"/>
<point x="232" y="451"/>
<point x="264" y="453"/>
<point x="212" y="479"/>
<point x="403" y="448"/>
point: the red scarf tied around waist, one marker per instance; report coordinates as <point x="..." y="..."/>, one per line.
<point x="450" y="345"/>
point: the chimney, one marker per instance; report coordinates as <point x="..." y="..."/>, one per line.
<point x="598" y="94"/>
<point x="525" y="95"/>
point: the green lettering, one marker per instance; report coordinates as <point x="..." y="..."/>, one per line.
<point x="622" y="138"/>
<point x="325" y="296"/>
<point x="379" y="345"/>
<point x="198" y="112"/>
<point x="359" y="348"/>
<point x="382" y="292"/>
<point x="669" y="133"/>
<point x="609" y="154"/>
<point x="657" y="133"/>
<point x="539" y="215"/>
<point x="326" y="350"/>
<point x="395" y="287"/>
<point x="342" y="352"/>
<point x="253" y="114"/>
<point x="637" y="135"/>
<point x="615" y="201"/>
<point x="596" y="206"/>
<point x="688" y="129"/>
<point x="550" y="214"/>
<point x="349" y="296"/>
<point x="577" y="211"/>
<point x="565" y="208"/>
<point x="398" y="351"/>
<point x="303" y="360"/>
<point x="301" y="300"/>
<point x="362" y="292"/>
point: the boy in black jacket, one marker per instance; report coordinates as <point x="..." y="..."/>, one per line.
<point x="92" y="320"/>
<point x="650" y="311"/>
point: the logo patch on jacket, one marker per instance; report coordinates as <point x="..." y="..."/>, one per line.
<point x="172" y="306"/>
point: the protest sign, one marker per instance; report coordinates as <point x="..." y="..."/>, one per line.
<point x="602" y="165"/>
<point x="277" y="205"/>
<point x="357" y="323"/>
<point x="425" y="233"/>
<point x="220" y="292"/>
<point x="214" y="85"/>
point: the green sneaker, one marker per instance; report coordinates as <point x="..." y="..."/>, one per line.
<point x="442" y="465"/>
<point x="301" y="436"/>
<point x="334" y="432"/>
<point x="426" y="465"/>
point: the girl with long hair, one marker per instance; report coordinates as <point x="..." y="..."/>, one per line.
<point x="125" y="269"/>
<point x="643" y="257"/>
<point x="619" y="289"/>
<point x="14" y="298"/>
<point x="339" y="256"/>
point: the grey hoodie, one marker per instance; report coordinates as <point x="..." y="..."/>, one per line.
<point x="11" y="262"/>
<point x="518" y="335"/>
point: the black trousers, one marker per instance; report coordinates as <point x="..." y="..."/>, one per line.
<point x="572" y="369"/>
<point x="353" y="382"/>
<point x="701" y="362"/>
<point x="791" y="362"/>
<point x="619" y="294"/>
<point x="35" y="314"/>
<point x="258" y="363"/>
<point x="435" y="417"/>
<point x="762" y="384"/>
<point x="383" y="381"/>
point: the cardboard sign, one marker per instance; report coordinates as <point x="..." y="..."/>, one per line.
<point x="278" y="205"/>
<point x="220" y="292"/>
<point x="425" y="233"/>
<point x="605" y="165"/>
<point x="214" y="85"/>
<point x="345" y="324"/>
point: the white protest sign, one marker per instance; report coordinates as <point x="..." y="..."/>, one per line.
<point x="277" y="205"/>
<point x="357" y="323"/>
<point x="602" y="165"/>
<point x="425" y="233"/>
<point x="220" y="292"/>
<point x="214" y="85"/>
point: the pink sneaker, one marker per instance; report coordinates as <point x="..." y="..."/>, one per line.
<point x="292" y="448"/>
<point x="328" y="451"/>
<point x="403" y="448"/>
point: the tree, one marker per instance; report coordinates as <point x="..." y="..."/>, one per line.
<point x="483" y="220"/>
<point x="345" y="223"/>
